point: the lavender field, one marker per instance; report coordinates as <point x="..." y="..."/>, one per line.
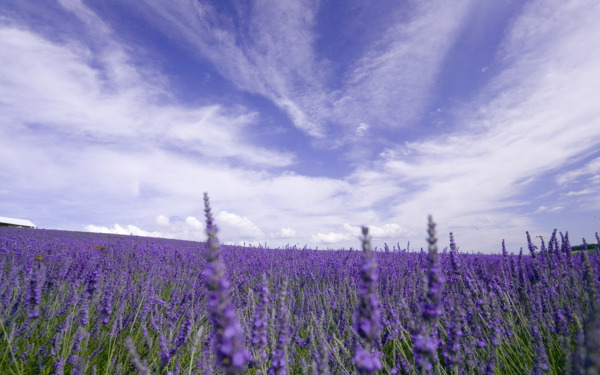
<point x="86" y="303"/>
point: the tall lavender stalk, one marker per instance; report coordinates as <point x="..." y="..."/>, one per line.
<point x="280" y="356"/>
<point x="424" y="344"/>
<point x="431" y="309"/>
<point x="259" y="326"/>
<point x="35" y="286"/>
<point x="367" y="322"/>
<point x="229" y="343"/>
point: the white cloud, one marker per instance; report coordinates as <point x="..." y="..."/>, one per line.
<point x="362" y="129"/>
<point x="390" y="84"/>
<point x="549" y="209"/>
<point x="273" y="57"/>
<point x="353" y="234"/>
<point x="194" y="223"/>
<point x="579" y="192"/>
<point x="118" y="229"/>
<point x="591" y="168"/>
<point x="238" y="226"/>
<point x="387" y="231"/>
<point x="86" y="96"/>
<point x="162" y="221"/>
<point x="284" y="233"/>
<point x="535" y="117"/>
<point x="332" y="238"/>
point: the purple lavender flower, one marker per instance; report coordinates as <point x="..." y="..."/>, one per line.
<point x="77" y="363"/>
<point x="84" y="318"/>
<point x="165" y="353"/>
<point x="592" y="324"/>
<point x="588" y="275"/>
<point x="35" y="288"/>
<point x="259" y="325"/>
<point x="367" y="362"/>
<point x="92" y="283"/>
<point x="322" y="352"/>
<point x="106" y="306"/>
<point x="530" y="245"/>
<point x="367" y="321"/>
<point x="229" y="343"/>
<point x="141" y="367"/>
<point x="423" y="335"/>
<point x="431" y="309"/>
<point x="279" y="362"/>
<point x="59" y="366"/>
<point x="184" y="333"/>
<point x="540" y="359"/>
<point x="424" y="347"/>
<point x="451" y="350"/>
<point x="592" y="340"/>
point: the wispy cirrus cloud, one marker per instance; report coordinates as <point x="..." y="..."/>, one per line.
<point x="75" y="98"/>
<point x="268" y="48"/>
<point x="391" y="84"/>
<point x="536" y="117"/>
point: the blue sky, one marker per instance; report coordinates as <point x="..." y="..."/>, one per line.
<point x="303" y="120"/>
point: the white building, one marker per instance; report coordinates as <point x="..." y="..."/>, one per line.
<point x="10" y="222"/>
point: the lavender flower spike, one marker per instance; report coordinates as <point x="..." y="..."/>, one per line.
<point x="279" y="363"/>
<point x="259" y="326"/>
<point x="35" y="284"/>
<point x="367" y="321"/>
<point x="424" y="345"/>
<point x="135" y="357"/>
<point x="431" y="309"/>
<point x="229" y="341"/>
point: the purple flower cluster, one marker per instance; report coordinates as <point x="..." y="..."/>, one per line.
<point x="259" y="325"/>
<point x="35" y="290"/>
<point x="279" y="362"/>
<point x="424" y="339"/>
<point x="367" y="321"/>
<point x="431" y="309"/>
<point x="229" y="342"/>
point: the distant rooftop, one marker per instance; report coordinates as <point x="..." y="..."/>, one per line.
<point x="10" y="222"/>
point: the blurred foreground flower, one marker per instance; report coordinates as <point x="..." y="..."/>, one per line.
<point x="229" y="342"/>
<point x="367" y="321"/>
